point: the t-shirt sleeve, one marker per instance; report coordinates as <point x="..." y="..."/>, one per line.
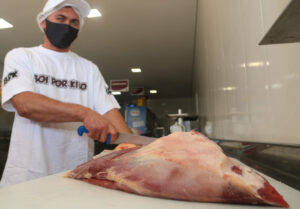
<point x="103" y="99"/>
<point x="17" y="77"/>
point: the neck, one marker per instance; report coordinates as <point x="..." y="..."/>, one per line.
<point x="47" y="44"/>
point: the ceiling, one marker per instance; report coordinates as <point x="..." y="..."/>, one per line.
<point x="156" y="36"/>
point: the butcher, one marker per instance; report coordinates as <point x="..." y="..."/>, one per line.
<point x="53" y="91"/>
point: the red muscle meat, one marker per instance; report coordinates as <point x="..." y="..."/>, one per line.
<point x="183" y="166"/>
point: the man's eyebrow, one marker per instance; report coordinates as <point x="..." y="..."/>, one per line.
<point x="60" y="15"/>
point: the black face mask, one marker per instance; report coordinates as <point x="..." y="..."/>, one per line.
<point x="60" y="35"/>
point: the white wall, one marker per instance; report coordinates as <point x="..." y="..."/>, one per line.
<point x="248" y="92"/>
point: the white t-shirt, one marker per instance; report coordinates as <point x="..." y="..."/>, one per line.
<point x="38" y="149"/>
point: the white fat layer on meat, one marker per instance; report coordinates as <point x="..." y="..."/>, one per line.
<point x="88" y="175"/>
<point x="120" y="179"/>
<point x="104" y="152"/>
<point x="249" y="179"/>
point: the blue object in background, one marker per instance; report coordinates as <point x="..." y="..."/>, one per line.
<point x="136" y="118"/>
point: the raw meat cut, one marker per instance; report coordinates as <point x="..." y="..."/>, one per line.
<point x="183" y="166"/>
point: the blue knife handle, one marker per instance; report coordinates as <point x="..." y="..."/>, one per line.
<point x="108" y="139"/>
<point x="82" y="129"/>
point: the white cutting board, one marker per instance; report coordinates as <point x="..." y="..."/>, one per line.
<point x="56" y="192"/>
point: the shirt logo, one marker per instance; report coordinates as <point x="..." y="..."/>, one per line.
<point x="60" y="83"/>
<point x="10" y="76"/>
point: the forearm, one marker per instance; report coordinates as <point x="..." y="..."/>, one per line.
<point x="44" y="109"/>
<point x="115" y="117"/>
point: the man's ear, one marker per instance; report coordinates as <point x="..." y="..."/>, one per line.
<point x="43" y="24"/>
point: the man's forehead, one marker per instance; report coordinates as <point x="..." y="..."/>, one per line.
<point x="66" y="11"/>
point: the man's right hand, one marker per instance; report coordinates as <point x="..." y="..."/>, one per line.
<point x="98" y="126"/>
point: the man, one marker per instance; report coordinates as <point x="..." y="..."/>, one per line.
<point x="53" y="91"/>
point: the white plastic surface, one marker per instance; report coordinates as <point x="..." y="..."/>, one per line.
<point x="56" y="192"/>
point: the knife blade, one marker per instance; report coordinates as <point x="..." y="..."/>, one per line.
<point x="123" y="137"/>
<point x="134" y="139"/>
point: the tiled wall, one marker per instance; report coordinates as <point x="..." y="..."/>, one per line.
<point x="248" y="92"/>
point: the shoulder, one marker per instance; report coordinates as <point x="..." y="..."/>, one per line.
<point x="16" y="51"/>
<point x="22" y="50"/>
<point x="19" y="53"/>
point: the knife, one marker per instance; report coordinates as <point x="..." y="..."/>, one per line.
<point x="123" y="137"/>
